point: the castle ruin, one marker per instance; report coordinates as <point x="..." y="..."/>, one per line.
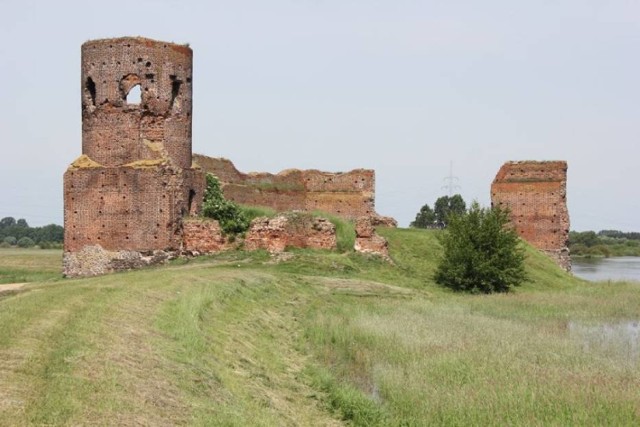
<point x="134" y="181"/>
<point x="536" y="195"/>
<point x="128" y="196"/>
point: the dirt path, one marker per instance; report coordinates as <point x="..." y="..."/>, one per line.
<point x="10" y="287"/>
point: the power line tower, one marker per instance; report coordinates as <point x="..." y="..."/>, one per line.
<point x="451" y="181"/>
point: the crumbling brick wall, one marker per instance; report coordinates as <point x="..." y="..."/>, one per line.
<point x="134" y="181"/>
<point x="349" y="195"/>
<point x="203" y="236"/>
<point x="536" y="195"/>
<point x="292" y="229"/>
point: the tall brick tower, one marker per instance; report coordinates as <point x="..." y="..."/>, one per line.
<point x="126" y="195"/>
<point x="536" y="195"/>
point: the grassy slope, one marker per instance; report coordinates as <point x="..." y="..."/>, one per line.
<point x="321" y="339"/>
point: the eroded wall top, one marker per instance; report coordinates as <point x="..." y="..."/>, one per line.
<point x="346" y="194"/>
<point x="117" y="128"/>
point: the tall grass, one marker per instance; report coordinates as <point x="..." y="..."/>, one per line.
<point x="253" y="212"/>
<point x="324" y="338"/>
<point x="345" y="231"/>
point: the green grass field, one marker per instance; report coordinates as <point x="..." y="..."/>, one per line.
<point x="323" y="338"/>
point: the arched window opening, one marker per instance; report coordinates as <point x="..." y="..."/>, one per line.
<point x="90" y="88"/>
<point x="192" y="195"/>
<point x="175" y="91"/>
<point x="135" y="95"/>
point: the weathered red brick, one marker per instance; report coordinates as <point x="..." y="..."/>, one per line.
<point x="536" y="195"/>
<point x="347" y="194"/>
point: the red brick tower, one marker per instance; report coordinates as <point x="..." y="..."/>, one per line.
<point x="134" y="181"/>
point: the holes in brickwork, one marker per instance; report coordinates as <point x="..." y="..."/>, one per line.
<point x="134" y="97"/>
<point x="188" y="79"/>
<point x="148" y="64"/>
<point x="90" y="89"/>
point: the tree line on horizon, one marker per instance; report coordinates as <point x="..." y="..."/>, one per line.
<point x="18" y="233"/>
<point x="605" y="243"/>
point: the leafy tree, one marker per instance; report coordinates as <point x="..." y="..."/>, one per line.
<point x="8" y="221"/>
<point x="446" y="206"/>
<point x="26" y="242"/>
<point x="482" y="254"/>
<point x="10" y="240"/>
<point x="22" y="223"/>
<point x="443" y="207"/>
<point x="425" y="218"/>
<point x="230" y="216"/>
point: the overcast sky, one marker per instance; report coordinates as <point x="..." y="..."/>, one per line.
<point x="400" y="86"/>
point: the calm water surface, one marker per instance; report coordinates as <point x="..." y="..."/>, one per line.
<point x="616" y="268"/>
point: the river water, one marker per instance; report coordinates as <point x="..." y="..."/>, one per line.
<point x="615" y="268"/>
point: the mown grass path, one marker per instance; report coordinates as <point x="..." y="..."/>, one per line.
<point x="195" y="345"/>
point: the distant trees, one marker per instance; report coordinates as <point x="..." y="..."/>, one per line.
<point x="12" y="231"/>
<point x="438" y="217"/>
<point x="481" y="253"/>
<point x="426" y="218"/>
<point x="604" y="243"/>
<point x="26" y="242"/>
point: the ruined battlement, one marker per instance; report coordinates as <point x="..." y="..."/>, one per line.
<point x="347" y="194"/>
<point x="536" y="195"/>
<point x="117" y="129"/>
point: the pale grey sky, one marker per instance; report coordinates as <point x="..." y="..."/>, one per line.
<point x="400" y="86"/>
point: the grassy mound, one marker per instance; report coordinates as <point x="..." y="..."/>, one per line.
<point x="324" y="338"/>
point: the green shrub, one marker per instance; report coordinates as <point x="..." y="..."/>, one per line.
<point x="26" y="242"/>
<point x="481" y="253"/>
<point x="10" y="240"/>
<point x="50" y="245"/>
<point x="231" y="217"/>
